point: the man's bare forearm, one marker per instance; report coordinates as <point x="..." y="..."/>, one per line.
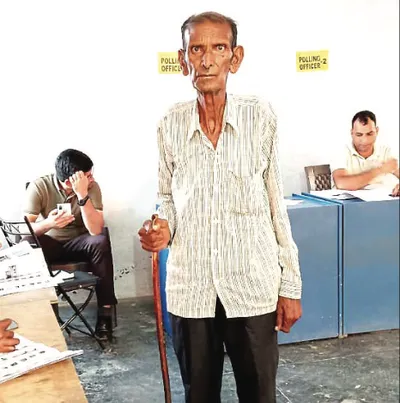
<point x="92" y="219"/>
<point x="40" y="227"/>
<point x="356" y="181"/>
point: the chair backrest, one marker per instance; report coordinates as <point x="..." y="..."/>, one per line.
<point x="318" y="177"/>
<point x="14" y="231"/>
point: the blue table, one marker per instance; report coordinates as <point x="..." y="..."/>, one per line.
<point x="370" y="265"/>
<point x="315" y="227"/>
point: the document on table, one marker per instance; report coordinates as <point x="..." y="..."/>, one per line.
<point x="291" y="202"/>
<point x="370" y="194"/>
<point x="29" y="356"/>
<point x="333" y="194"/>
<point x="377" y="194"/>
<point x="23" y="268"/>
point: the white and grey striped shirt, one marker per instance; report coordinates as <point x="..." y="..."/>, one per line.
<point x="231" y="234"/>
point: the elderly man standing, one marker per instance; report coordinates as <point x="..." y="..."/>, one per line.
<point x="233" y="275"/>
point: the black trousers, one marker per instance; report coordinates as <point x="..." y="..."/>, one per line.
<point x="251" y="344"/>
<point x="96" y="250"/>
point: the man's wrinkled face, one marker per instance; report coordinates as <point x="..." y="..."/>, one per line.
<point x="364" y="136"/>
<point x="208" y="56"/>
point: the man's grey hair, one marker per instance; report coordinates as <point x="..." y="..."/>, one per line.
<point x="210" y="16"/>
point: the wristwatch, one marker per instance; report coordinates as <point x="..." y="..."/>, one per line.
<point x="83" y="201"/>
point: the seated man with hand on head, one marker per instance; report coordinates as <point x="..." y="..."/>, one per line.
<point x="364" y="162"/>
<point x="78" y="236"/>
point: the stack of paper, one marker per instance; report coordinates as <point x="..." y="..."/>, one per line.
<point x="28" y="357"/>
<point x="23" y="268"/>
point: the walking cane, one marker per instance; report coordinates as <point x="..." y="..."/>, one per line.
<point x="159" y="321"/>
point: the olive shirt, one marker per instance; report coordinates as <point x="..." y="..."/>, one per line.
<point x="43" y="195"/>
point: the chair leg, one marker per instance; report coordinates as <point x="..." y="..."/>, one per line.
<point x="115" y="316"/>
<point x="80" y="309"/>
<point x="83" y="319"/>
<point x="59" y="320"/>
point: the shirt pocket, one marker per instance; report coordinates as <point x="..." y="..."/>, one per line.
<point x="245" y="192"/>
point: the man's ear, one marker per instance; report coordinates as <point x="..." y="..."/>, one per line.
<point x="377" y="130"/>
<point x="237" y="58"/>
<point x="68" y="183"/>
<point x="182" y="62"/>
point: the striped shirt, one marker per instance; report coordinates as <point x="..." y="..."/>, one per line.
<point x="230" y="231"/>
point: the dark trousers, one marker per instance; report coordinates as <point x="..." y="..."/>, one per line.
<point x="251" y="344"/>
<point x="96" y="250"/>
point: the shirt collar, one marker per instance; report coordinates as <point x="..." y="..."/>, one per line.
<point x="355" y="153"/>
<point x="57" y="184"/>
<point x="230" y="117"/>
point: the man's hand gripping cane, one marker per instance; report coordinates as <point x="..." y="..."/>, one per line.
<point x="155" y="236"/>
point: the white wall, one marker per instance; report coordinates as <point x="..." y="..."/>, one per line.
<point x="83" y="74"/>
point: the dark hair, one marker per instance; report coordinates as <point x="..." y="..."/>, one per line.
<point x="212" y="17"/>
<point x="70" y="161"/>
<point x="363" y="117"/>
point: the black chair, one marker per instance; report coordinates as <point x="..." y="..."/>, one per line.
<point x="82" y="280"/>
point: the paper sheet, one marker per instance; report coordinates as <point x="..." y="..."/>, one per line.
<point x="333" y="194"/>
<point x="371" y="194"/>
<point x="28" y="357"/>
<point x="63" y="275"/>
<point x="377" y="194"/>
<point x="23" y="268"/>
<point x="290" y="202"/>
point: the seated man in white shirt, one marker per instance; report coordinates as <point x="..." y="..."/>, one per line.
<point x="365" y="162"/>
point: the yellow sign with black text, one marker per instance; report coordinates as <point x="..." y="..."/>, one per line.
<point x="168" y="63"/>
<point x="315" y="60"/>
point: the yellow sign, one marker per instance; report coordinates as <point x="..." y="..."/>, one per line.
<point x="316" y="60"/>
<point x="168" y="63"/>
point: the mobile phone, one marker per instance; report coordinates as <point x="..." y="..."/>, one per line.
<point x="13" y="325"/>
<point x="66" y="207"/>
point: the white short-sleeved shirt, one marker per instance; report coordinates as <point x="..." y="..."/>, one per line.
<point x="354" y="163"/>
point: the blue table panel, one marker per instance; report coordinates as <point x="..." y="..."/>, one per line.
<point x="315" y="231"/>
<point x="370" y="263"/>
<point x="371" y="266"/>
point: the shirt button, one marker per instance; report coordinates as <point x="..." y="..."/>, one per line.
<point x="216" y="222"/>
<point x="215" y="251"/>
